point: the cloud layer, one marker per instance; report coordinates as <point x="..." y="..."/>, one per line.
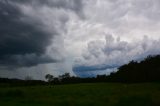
<point x="83" y="37"/>
<point x="111" y="53"/>
<point x="26" y="34"/>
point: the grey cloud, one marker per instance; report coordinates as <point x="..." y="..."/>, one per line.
<point x="93" y="68"/>
<point x="28" y="60"/>
<point x="113" y="53"/>
<point x="73" y="5"/>
<point x="147" y="8"/>
<point x="117" y="14"/>
<point x="36" y="32"/>
<point x="22" y="42"/>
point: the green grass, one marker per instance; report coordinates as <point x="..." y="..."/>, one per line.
<point x="96" y="94"/>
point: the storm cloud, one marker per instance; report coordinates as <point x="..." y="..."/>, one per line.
<point x="82" y="37"/>
<point x="21" y="43"/>
<point x="24" y="38"/>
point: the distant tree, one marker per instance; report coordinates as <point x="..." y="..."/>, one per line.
<point x="147" y="70"/>
<point x="49" y="77"/>
<point x="64" y="76"/>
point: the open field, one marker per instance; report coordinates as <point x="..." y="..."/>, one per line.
<point x="96" y="94"/>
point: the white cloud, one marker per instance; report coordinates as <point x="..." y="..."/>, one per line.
<point x="115" y="52"/>
<point x="80" y="27"/>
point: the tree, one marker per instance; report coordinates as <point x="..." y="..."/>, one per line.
<point x="49" y="77"/>
<point x="64" y="76"/>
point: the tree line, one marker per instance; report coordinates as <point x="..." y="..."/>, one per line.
<point x="147" y="70"/>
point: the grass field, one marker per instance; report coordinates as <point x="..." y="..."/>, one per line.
<point x="96" y="94"/>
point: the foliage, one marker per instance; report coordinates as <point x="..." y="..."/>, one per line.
<point x="90" y="94"/>
<point x="49" y="77"/>
<point x="147" y="70"/>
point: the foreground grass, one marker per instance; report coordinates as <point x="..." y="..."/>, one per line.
<point x="96" y="94"/>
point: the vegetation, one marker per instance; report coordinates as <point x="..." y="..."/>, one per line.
<point x="147" y="70"/>
<point x="127" y="89"/>
<point x="5" y="82"/>
<point x="89" y="94"/>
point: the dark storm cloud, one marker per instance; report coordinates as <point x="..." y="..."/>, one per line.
<point x="21" y="43"/>
<point x="93" y="71"/>
<point x="93" y="68"/>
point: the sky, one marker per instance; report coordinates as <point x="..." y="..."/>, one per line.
<point x="82" y="37"/>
